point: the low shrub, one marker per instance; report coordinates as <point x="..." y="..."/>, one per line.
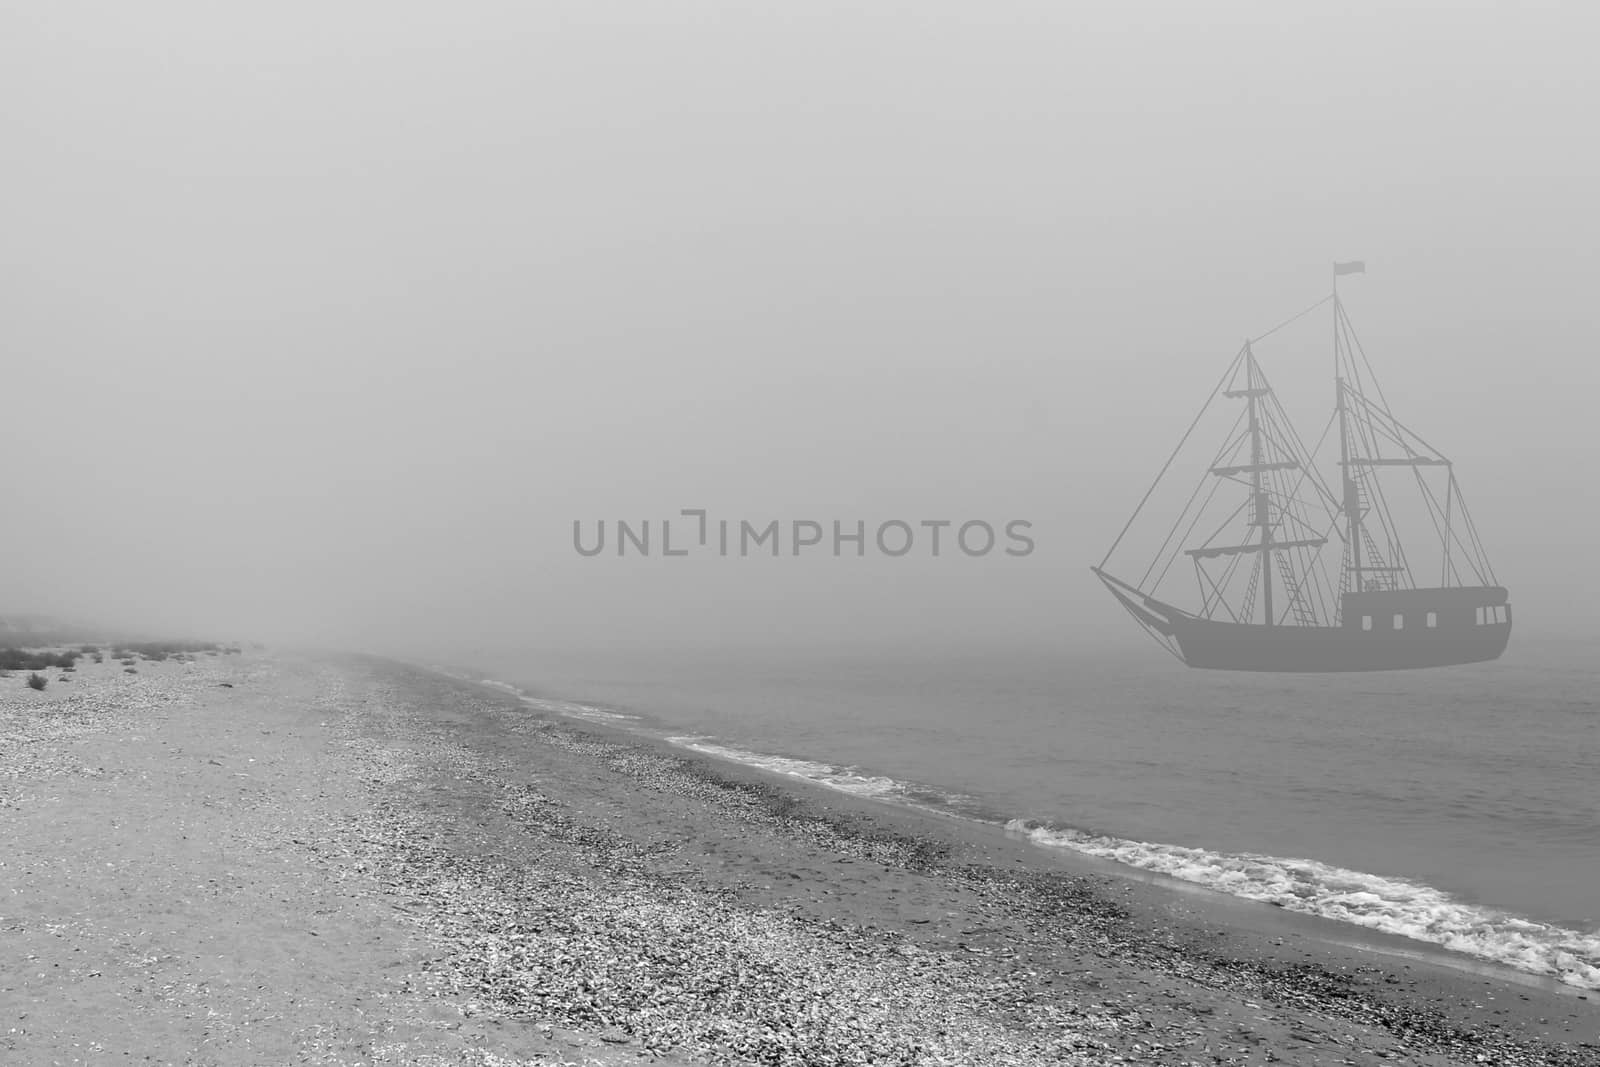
<point x="22" y="659"/>
<point x="37" y="681"/>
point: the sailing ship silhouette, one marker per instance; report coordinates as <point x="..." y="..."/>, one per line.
<point x="1266" y="599"/>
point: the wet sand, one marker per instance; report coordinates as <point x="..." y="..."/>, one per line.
<point x="279" y="859"/>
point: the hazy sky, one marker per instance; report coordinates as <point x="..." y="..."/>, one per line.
<point x="329" y="319"/>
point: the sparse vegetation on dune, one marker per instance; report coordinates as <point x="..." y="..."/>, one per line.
<point x="127" y="652"/>
<point x="22" y="659"/>
<point x="161" y="650"/>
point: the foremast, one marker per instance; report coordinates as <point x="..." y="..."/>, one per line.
<point x="1262" y="515"/>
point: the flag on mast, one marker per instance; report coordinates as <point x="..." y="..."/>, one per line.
<point x="1354" y="266"/>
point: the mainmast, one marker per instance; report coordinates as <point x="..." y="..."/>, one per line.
<point x="1352" y="493"/>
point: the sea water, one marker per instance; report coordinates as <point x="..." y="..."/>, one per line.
<point x="1457" y="806"/>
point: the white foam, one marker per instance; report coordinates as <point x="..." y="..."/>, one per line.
<point x="1373" y="901"/>
<point x="569" y="708"/>
<point x="843" y="779"/>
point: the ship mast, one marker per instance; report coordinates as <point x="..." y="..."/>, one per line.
<point x="1263" y="515"/>
<point x="1352" y="496"/>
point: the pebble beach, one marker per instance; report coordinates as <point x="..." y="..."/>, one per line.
<point x="291" y="858"/>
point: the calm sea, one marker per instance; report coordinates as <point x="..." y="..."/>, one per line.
<point x="1457" y="806"/>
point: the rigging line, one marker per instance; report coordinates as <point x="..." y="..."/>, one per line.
<point x="1297" y="449"/>
<point x="1324" y="582"/>
<point x="1384" y="417"/>
<point x="1449" y="517"/>
<point x="1275" y="481"/>
<point x="1309" y="459"/>
<point x="1402" y="429"/>
<point x="1359" y="391"/>
<point x="1224" y="525"/>
<point x="1436" y="511"/>
<point x="1397" y="550"/>
<point x="1299" y="511"/>
<point x="1227" y="579"/>
<point x="1350" y="347"/>
<point x="1395" y="431"/>
<point x="1328" y="533"/>
<point x="1472" y="529"/>
<point x="1247" y="605"/>
<point x="1474" y="559"/>
<point x="1293" y="318"/>
<point x="1290" y="440"/>
<point x="1347" y="366"/>
<point x="1297" y="519"/>
<point x="1325" y="587"/>
<point x="1383" y="422"/>
<point x="1472" y="532"/>
<point x="1195" y="522"/>
<point x="1289" y="512"/>
<point x="1248" y="600"/>
<point x="1207" y="602"/>
<point x="1303" y="559"/>
<point x="1280" y="419"/>
<point x="1392" y="529"/>
<point x="1162" y="552"/>
<point x="1362" y="350"/>
<point x="1298" y="557"/>
<point x="1229" y="443"/>
<point x="1380" y="503"/>
<point x="1181" y="442"/>
<point x="1317" y="595"/>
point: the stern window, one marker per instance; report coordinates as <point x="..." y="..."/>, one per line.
<point x="1366" y="622"/>
<point x="1433" y="619"/>
<point x="1399" y="622"/>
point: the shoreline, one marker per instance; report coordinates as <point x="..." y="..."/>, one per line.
<point x="1244" y="910"/>
<point x="351" y="860"/>
<point x="1253" y="932"/>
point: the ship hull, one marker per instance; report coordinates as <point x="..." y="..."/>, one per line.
<point x="1381" y="630"/>
<point x="1214" y="645"/>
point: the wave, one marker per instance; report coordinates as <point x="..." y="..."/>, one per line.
<point x="1390" y="905"/>
<point x="843" y="779"/>
<point x="571" y="709"/>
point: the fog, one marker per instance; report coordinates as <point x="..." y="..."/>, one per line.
<point x="326" y="322"/>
